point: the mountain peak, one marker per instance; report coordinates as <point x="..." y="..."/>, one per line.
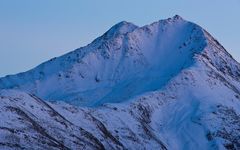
<point x="122" y="27"/>
<point x="126" y="54"/>
<point x="177" y="17"/>
<point x="165" y="78"/>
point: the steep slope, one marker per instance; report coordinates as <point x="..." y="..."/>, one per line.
<point x="178" y="88"/>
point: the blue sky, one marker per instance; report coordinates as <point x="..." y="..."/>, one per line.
<point x="34" y="31"/>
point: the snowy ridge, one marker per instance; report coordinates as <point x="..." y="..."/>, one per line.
<point x="167" y="85"/>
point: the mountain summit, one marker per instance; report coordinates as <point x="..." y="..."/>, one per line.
<point x="167" y="85"/>
<point x="125" y="62"/>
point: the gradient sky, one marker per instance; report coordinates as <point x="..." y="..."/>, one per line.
<point x="33" y="31"/>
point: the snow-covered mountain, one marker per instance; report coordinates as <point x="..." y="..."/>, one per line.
<point x="167" y="85"/>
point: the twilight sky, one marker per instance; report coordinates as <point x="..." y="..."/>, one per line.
<point x="34" y="31"/>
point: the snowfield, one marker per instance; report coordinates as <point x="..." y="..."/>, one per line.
<point x="167" y="85"/>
